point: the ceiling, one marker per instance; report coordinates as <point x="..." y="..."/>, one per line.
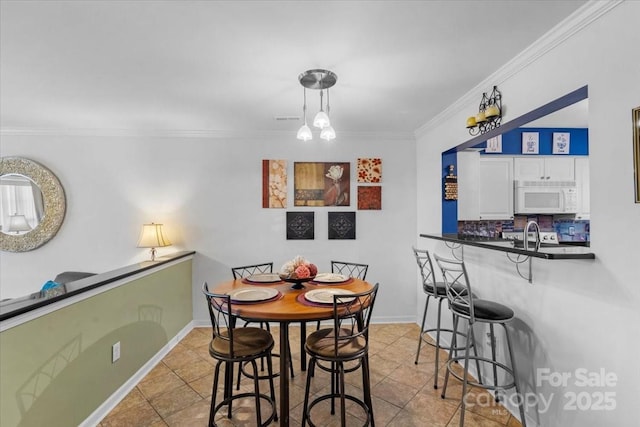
<point x="233" y="66"/>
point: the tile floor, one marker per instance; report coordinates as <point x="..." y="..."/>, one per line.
<point x="177" y="392"/>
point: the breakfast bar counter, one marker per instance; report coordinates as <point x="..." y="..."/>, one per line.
<point x="552" y="252"/>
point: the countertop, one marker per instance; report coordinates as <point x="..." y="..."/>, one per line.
<point x="561" y="251"/>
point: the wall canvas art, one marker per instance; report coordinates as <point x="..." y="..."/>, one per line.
<point x="370" y="197"/>
<point x="530" y="142"/>
<point x="561" y="141"/>
<point x="342" y="225"/>
<point x="274" y="183"/>
<point x="494" y="145"/>
<point x="370" y="170"/>
<point x="322" y="184"/>
<point x="300" y="225"/>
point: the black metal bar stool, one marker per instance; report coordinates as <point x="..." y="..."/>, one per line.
<point x="348" y="269"/>
<point x="465" y="305"/>
<point x="436" y="290"/>
<point x="231" y="345"/>
<point x="241" y="273"/>
<point x="347" y="340"/>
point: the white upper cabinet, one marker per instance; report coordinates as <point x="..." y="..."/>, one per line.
<point x="468" y="173"/>
<point x="582" y="182"/>
<point x="553" y="168"/>
<point x="485" y="187"/>
<point x="496" y="188"/>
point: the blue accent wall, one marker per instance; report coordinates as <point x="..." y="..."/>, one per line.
<point x="449" y="207"/>
<point x="511" y="146"/>
<point x="512" y="141"/>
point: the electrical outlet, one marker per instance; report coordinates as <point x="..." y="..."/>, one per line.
<point x="115" y="352"/>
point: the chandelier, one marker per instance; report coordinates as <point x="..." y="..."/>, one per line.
<point x="320" y="80"/>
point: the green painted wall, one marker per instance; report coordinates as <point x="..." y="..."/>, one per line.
<point x="56" y="370"/>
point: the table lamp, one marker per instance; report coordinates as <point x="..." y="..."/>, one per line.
<point x="18" y="223"/>
<point x="151" y="237"/>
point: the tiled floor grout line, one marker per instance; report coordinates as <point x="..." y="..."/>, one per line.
<point x="192" y="408"/>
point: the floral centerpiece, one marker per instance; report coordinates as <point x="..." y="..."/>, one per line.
<point x="298" y="270"/>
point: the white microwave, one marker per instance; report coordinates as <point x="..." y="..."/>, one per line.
<point x="545" y="197"/>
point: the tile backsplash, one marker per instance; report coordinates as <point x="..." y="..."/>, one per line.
<point x="572" y="230"/>
<point x="567" y="228"/>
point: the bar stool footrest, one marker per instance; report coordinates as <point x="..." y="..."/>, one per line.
<point x="492" y="362"/>
<point x="228" y="400"/>
<point x="444" y="347"/>
<point x="346" y="370"/>
<point x="260" y="377"/>
<point x="354" y="399"/>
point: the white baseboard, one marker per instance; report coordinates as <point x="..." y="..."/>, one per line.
<point x="113" y="400"/>
<point x="201" y="323"/>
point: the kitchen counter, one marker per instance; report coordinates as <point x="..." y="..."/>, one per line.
<point x="554" y="252"/>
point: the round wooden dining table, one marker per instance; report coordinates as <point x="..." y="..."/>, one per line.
<point x="288" y="307"/>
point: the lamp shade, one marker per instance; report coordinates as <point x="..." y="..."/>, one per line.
<point x="321" y="120"/>
<point x="18" y="223"/>
<point x="328" y="133"/>
<point x="152" y="237"/>
<point x="304" y="133"/>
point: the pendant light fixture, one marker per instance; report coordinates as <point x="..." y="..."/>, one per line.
<point x="328" y="133"/>
<point x="304" y="133"/>
<point x="321" y="120"/>
<point x="318" y="80"/>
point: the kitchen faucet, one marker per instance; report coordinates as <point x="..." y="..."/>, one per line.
<point x="532" y="224"/>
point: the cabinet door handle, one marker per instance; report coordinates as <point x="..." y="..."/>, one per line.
<point x="542" y="177"/>
<point x="548" y="177"/>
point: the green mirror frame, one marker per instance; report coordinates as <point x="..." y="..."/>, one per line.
<point x="54" y="204"/>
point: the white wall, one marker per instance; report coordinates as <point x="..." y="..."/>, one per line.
<point x="208" y="193"/>
<point x="576" y="314"/>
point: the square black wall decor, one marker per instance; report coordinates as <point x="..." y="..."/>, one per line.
<point x="342" y="225"/>
<point x="300" y="225"/>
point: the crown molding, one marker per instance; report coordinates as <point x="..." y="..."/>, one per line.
<point x="137" y="133"/>
<point x="580" y="19"/>
<point x="209" y="134"/>
<point x="564" y="30"/>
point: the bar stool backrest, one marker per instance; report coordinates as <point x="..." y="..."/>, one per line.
<point x="219" y="310"/>
<point x="249" y="270"/>
<point x="350" y="269"/>
<point x="426" y="272"/>
<point x="458" y="287"/>
<point x="351" y="318"/>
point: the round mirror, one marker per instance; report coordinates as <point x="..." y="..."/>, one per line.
<point x="21" y="204"/>
<point x="32" y="204"/>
